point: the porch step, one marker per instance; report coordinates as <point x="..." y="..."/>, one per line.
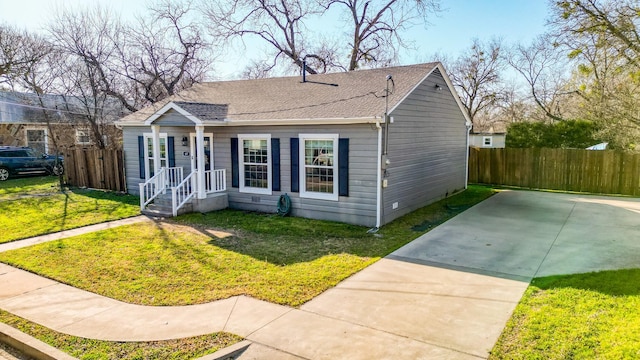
<point x="163" y="200"/>
<point x="162" y="208"/>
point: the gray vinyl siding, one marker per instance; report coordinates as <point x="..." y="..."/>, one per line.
<point x="173" y="118"/>
<point x="358" y="208"/>
<point x="427" y="149"/>
<point x="130" y="147"/>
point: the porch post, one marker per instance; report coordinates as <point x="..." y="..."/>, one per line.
<point x="155" y="134"/>
<point x="200" y="159"/>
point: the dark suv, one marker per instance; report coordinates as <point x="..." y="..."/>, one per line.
<point x="23" y="160"/>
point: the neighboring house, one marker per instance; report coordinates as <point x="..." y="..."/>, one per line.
<point x="324" y="142"/>
<point x="487" y="140"/>
<point x="23" y="123"/>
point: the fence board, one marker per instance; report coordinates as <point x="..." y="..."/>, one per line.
<point x="605" y="172"/>
<point x="98" y="169"/>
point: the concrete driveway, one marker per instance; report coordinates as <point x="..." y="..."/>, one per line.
<point x="449" y="293"/>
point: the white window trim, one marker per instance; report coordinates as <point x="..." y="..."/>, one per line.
<point x="149" y="137"/>
<point x="46" y="136"/>
<point x="484" y="144"/>
<point x="249" y="189"/>
<point x="88" y="134"/>
<point x="303" y="180"/>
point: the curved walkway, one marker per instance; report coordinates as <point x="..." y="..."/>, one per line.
<point x="448" y="294"/>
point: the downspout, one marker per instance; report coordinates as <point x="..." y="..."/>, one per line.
<point x="379" y="178"/>
<point x="466" y="175"/>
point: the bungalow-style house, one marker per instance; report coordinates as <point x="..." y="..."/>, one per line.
<point x="323" y="140"/>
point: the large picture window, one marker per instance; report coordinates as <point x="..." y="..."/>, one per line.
<point x="319" y="170"/>
<point x="255" y="163"/>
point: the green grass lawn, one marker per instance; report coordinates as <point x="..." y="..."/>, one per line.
<point x="585" y="316"/>
<point x="35" y="206"/>
<point x="14" y="188"/>
<point x="82" y="348"/>
<point x="201" y="258"/>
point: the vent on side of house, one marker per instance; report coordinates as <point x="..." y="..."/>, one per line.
<point x="255" y="199"/>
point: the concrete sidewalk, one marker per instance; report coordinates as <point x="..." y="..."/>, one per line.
<point x="73" y="232"/>
<point x="446" y="295"/>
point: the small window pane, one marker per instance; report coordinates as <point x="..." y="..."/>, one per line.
<point x="319" y="180"/>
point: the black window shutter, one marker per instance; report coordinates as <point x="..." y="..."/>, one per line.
<point x="343" y="167"/>
<point x="275" y="164"/>
<point x="295" y="170"/>
<point x="141" y="155"/>
<point x="235" y="170"/>
<point x="172" y="153"/>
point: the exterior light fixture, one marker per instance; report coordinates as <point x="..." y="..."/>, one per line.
<point x="185" y="141"/>
<point x="438" y="87"/>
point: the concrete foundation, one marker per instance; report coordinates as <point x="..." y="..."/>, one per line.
<point x="212" y="202"/>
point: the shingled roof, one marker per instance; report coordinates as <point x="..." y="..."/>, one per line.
<point x="344" y="95"/>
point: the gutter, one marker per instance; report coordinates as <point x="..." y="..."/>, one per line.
<point x="379" y="178"/>
<point x="466" y="175"/>
<point x="306" y="122"/>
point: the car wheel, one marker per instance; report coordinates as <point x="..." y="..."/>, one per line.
<point x="57" y="169"/>
<point x="4" y="174"/>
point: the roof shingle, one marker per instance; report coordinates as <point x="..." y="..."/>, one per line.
<point x="345" y="95"/>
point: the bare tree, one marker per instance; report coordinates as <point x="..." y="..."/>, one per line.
<point x="165" y="51"/>
<point x="137" y="64"/>
<point x="477" y="76"/>
<point x="279" y="23"/>
<point x="39" y="76"/>
<point x="544" y="69"/>
<point x="375" y="27"/>
<point x="18" y="50"/>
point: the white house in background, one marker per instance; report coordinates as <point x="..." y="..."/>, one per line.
<point x="321" y="139"/>
<point x="487" y="140"/>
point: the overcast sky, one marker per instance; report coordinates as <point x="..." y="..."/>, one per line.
<point x="449" y="33"/>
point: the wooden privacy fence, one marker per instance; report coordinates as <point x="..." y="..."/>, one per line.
<point x="605" y="172"/>
<point x="98" y="169"/>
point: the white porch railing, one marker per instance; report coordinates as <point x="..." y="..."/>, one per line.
<point x="174" y="176"/>
<point x="182" y="193"/>
<point x="158" y="184"/>
<point x="215" y="181"/>
<point x="153" y="187"/>
<point x="182" y="189"/>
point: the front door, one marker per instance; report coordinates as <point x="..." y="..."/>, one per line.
<point x="208" y="145"/>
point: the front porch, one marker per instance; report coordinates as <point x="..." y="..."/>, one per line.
<point x="175" y="186"/>
<point x="169" y="193"/>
